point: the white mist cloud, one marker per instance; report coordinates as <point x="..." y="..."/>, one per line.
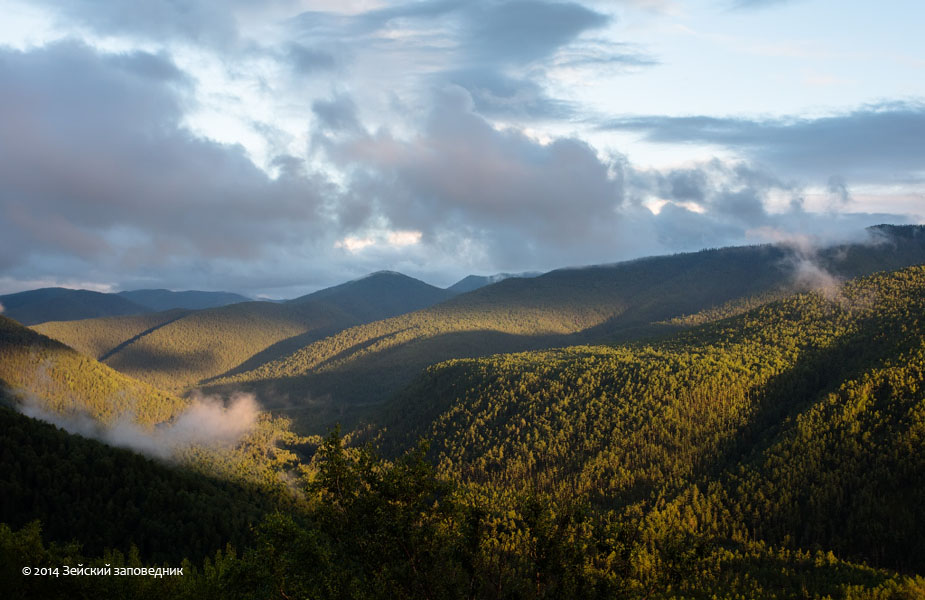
<point x="207" y="422"/>
<point x="808" y="273"/>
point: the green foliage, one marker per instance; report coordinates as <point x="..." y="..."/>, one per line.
<point x="177" y="350"/>
<point x="98" y="338"/>
<point x="377" y="529"/>
<point x="769" y="448"/>
<point x="108" y="498"/>
<point x="63" y="380"/>
<point x="639" y="299"/>
<point x="794" y="416"/>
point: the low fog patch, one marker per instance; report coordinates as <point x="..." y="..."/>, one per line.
<point x="206" y="422"/>
<point x="804" y="262"/>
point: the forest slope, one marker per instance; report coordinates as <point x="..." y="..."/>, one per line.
<point x="160" y="300"/>
<point x="799" y="423"/>
<point x="47" y="378"/>
<point x="726" y="461"/>
<point x="62" y="379"/>
<point x="112" y="498"/>
<point x="97" y="338"/>
<point x="177" y="351"/>
<point x="367" y="363"/>
<point x="60" y="304"/>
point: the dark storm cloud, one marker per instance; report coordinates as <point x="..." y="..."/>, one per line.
<point x="96" y="167"/>
<point x="879" y="143"/>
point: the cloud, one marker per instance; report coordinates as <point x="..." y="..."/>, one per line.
<point x="337" y="114"/>
<point x="97" y="171"/>
<point x="879" y="143"/>
<point x="755" y="4"/>
<point x="497" y="95"/>
<point x="500" y="51"/>
<point x="511" y="32"/>
<point x="526" y="204"/>
<point x="515" y="195"/>
<point x="804" y="261"/>
<point x="201" y="22"/>
<point x="206" y="422"/>
<point x="309" y="60"/>
<point x="521" y="31"/>
<point x="105" y="182"/>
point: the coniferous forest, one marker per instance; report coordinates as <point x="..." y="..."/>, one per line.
<point x="462" y="300"/>
<point x="736" y="438"/>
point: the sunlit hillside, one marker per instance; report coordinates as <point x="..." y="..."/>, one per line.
<point x="622" y="302"/>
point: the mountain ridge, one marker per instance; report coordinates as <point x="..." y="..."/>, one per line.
<point x="618" y="302"/>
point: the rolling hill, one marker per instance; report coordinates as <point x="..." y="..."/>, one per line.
<point x="61" y="304"/>
<point x="798" y="423"/>
<point x="160" y="300"/>
<point x="98" y="338"/>
<point x="49" y="379"/>
<point x="765" y="446"/>
<point x="365" y="364"/>
<point x="177" y="350"/>
<point x="378" y="296"/>
<point x="474" y="282"/>
<point x="63" y="380"/>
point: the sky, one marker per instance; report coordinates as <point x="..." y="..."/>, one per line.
<point x="273" y="148"/>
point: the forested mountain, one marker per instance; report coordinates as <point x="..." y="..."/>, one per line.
<point x="378" y="296"/>
<point x="183" y="352"/>
<point x="112" y="498"/>
<point x="159" y="300"/>
<point x="53" y="379"/>
<point x="99" y="338"/>
<point x="367" y="363"/>
<point x="474" y="282"/>
<point x="799" y="423"/>
<point x="60" y="304"/>
<point x="176" y="350"/>
<point x="62" y="379"/>
<point x="753" y="449"/>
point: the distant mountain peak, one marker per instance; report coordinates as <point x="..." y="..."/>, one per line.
<point x="474" y="282"/>
<point x="383" y="273"/>
<point x="379" y="295"/>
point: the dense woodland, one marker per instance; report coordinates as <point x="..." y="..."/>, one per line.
<point x="766" y="444"/>
<point x="611" y="303"/>
<point x="175" y="350"/>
